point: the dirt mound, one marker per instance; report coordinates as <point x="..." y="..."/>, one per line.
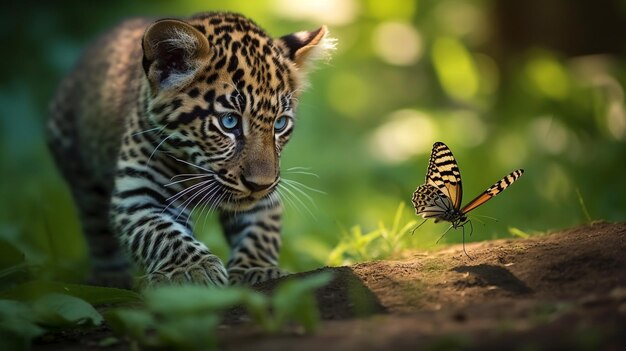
<point x="566" y="290"/>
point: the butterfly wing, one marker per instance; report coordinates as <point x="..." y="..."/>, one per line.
<point x="494" y="190"/>
<point x="431" y="202"/>
<point x="443" y="173"/>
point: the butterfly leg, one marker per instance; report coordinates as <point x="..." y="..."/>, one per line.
<point x="419" y="225"/>
<point x="463" y="229"/>
<point x="444" y="233"/>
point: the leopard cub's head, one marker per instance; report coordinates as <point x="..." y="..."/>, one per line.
<point x="225" y="94"/>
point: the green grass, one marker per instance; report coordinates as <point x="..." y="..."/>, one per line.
<point x="383" y="242"/>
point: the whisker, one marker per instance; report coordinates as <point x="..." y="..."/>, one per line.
<point x="288" y="199"/>
<point x="191" y="164"/>
<point x="218" y="201"/>
<point x="156" y="148"/>
<point x="307" y="196"/>
<point x="203" y="214"/>
<point x="274" y="198"/>
<point x="293" y="182"/>
<point x="149" y="130"/>
<point x="298" y="168"/>
<point x="190" y="200"/>
<point x="301" y="170"/>
<point x="210" y="194"/>
<point x="298" y="200"/>
<point x="211" y="203"/>
<point x="214" y="201"/>
<point x="205" y="206"/>
<point x="181" y="193"/>
<point x="186" y="175"/>
<point x="188" y="179"/>
<point x="185" y="190"/>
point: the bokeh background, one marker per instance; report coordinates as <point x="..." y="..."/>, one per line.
<point x="533" y="84"/>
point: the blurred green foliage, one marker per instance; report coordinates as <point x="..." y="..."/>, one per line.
<point x="504" y="88"/>
<point x="187" y="317"/>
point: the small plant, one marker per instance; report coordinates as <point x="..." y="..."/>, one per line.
<point x="186" y="317"/>
<point x="394" y="236"/>
<point x="356" y="246"/>
<point x="583" y="206"/>
<point x="518" y="233"/>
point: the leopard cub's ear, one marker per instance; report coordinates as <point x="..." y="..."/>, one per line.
<point x="172" y="53"/>
<point x="304" y="48"/>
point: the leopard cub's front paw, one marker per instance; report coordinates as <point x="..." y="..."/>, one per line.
<point x="251" y="276"/>
<point x="207" y="270"/>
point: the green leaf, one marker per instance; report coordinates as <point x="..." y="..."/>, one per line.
<point x="306" y="313"/>
<point x="13" y="265"/>
<point x="294" y="300"/>
<point x="17" y="319"/>
<point x="59" y="310"/>
<point x="108" y="341"/>
<point x="10" y="255"/>
<point x="134" y="323"/>
<point x="257" y="306"/>
<point x="95" y="295"/>
<point x="191" y="299"/>
<point x="190" y="333"/>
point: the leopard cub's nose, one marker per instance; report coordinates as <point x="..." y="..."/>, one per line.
<point x="256" y="185"/>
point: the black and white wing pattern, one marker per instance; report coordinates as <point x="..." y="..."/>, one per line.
<point x="430" y="202"/>
<point x="443" y="173"/>
<point x="493" y="190"/>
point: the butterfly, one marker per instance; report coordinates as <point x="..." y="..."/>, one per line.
<point x="440" y="197"/>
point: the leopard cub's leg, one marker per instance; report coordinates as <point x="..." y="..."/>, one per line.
<point x="254" y="238"/>
<point x="159" y="236"/>
<point x="110" y="266"/>
<point x="92" y="194"/>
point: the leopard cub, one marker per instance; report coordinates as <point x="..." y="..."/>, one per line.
<point x="158" y="118"/>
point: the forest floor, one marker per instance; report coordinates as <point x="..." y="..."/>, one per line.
<point x="564" y="290"/>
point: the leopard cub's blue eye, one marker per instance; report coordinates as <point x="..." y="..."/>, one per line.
<point x="280" y="123"/>
<point x="229" y="121"/>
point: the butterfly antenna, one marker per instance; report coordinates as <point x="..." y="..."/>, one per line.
<point x="444" y="233"/>
<point x="492" y="218"/>
<point x="480" y="221"/>
<point x="419" y="225"/>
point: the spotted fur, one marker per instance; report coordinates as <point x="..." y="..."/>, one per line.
<point x="142" y="130"/>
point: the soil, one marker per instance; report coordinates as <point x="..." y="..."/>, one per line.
<point x="565" y="290"/>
